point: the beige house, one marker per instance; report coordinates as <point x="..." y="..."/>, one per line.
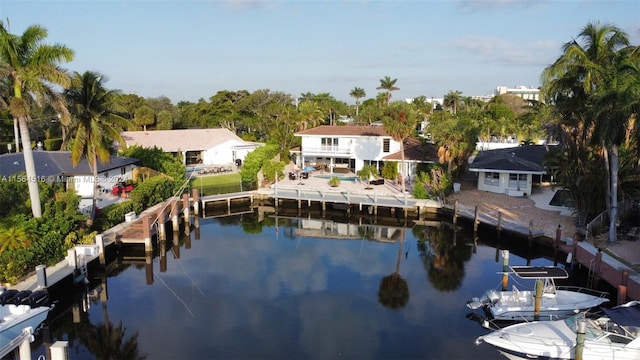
<point x="216" y="146"/>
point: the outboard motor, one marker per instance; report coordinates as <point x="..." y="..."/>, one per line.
<point x="491" y="297"/>
<point x="7" y="296"/>
<point x="20" y="297"/>
<point x="37" y="298"/>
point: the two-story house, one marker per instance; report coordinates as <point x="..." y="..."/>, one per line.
<point x="353" y="146"/>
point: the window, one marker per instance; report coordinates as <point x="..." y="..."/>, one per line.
<point x="492" y="178"/>
<point x="123" y="171"/>
<point x="518" y="181"/>
<point x="386" y="144"/>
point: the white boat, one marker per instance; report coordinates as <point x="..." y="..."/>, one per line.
<point x="611" y="336"/>
<point x="556" y="302"/>
<point x="21" y="313"/>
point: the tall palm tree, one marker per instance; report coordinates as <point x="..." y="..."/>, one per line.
<point x="357" y="93"/>
<point x="452" y="100"/>
<point x="32" y="68"/>
<point x="400" y="122"/>
<point x="389" y="85"/>
<point x="590" y="69"/>
<point x="96" y="122"/>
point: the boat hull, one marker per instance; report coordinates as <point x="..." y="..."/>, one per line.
<point x="13" y="326"/>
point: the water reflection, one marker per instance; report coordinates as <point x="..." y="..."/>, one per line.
<point x="256" y="286"/>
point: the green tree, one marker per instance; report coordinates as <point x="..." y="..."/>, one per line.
<point x="400" y="123"/>
<point x="32" y="70"/>
<point x="594" y="70"/>
<point x="388" y="85"/>
<point x="96" y="123"/>
<point x="357" y="93"/>
<point x="14" y="238"/>
<point x="452" y="100"/>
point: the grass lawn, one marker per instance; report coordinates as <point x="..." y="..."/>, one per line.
<point x="216" y="180"/>
<point x="217" y="184"/>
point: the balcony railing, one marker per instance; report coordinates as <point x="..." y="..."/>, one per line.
<point x="326" y="150"/>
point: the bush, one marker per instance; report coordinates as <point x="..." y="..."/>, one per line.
<point x="271" y="168"/>
<point x="334" y="181"/>
<point x="254" y="161"/>
<point x="113" y="214"/>
<point x="154" y="190"/>
<point x="390" y="170"/>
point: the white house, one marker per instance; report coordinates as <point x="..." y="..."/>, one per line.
<point x="56" y="167"/>
<point x="353" y="146"/>
<point x="196" y="146"/>
<point x="511" y="171"/>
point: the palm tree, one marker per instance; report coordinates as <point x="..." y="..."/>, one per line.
<point x="32" y="70"/>
<point x="452" y="100"/>
<point x="357" y="93"/>
<point x="589" y="73"/>
<point x="394" y="290"/>
<point x="96" y="123"/>
<point x="400" y="123"/>
<point x="14" y="238"/>
<point x="388" y="85"/>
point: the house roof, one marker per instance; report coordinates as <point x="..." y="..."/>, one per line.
<point x="180" y="140"/>
<point x="415" y="150"/>
<point x="523" y="159"/>
<point x="54" y="163"/>
<point x="346" y="130"/>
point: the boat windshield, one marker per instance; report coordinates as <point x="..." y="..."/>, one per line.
<point x="592" y="330"/>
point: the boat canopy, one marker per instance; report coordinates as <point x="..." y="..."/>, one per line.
<point x="540" y="272"/>
<point x="625" y="315"/>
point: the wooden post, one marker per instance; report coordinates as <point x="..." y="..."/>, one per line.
<point x="455" y="213"/>
<point x="582" y="327"/>
<point x="538" y="303"/>
<point x="146" y="234"/>
<point x="499" y="221"/>
<point x="174" y="215"/>
<point x="556" y="245"/>
<point x="622" y="294"/>
<point x="186" y="207"/>
<point x="598" y="265"/>
<point x="475" y="221"/>
<point x="162" y="234"/>
<point x="196" y="202"/>
<point x="100" y="243"/>
<point x="148" y="267"/>
<point x="505" y="269"/>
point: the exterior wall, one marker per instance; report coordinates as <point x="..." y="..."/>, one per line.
<point x="224" y="153"/>
<point x="359" y="148"/>
<point x="83" y="184"/>
<point x="502" y="187"/>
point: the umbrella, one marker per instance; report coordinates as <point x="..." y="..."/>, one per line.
<point x="308" y="168"/>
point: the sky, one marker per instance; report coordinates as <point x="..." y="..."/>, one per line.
<point x="190" y="50"/>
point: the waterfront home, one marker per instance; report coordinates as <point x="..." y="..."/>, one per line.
<point x="56" y="167"/>
<point x="350" y="147"/>
<point x="512" y="171"/>
<point x="216" y="146"/>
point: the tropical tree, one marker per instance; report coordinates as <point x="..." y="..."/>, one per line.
<point x="594" y="69"/>
<point x="357" y="93"/>
<point x="394" y="290"/>
<point x="452" y="100"/>
<point x="400" y="122"/>
<point x="13" y="238"/>
<point x="96" y="124"/>
<point x="32" y="70"/>
<point x="388" y="85"/>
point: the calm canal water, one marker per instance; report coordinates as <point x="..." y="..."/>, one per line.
<point x="291" y="288"/>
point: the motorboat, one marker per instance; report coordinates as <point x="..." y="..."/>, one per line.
<point x="610" y="335"/>
<point x="21" y="314"/>
<point x="555" y="302"/>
